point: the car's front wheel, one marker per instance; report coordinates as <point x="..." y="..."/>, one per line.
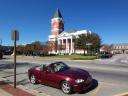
<point x="65" y="87"/>
<point x="33" y="79"/>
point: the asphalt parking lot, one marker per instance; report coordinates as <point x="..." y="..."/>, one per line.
<point x="109" y="79"/>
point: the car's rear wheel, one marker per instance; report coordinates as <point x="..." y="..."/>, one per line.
<point x="33" y="79"/>
<point x="65" y="87"/>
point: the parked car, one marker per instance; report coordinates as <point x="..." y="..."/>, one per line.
<point x="1" y="55"/>
<point x="105" y="55"/>
<point x="60" y="75"/>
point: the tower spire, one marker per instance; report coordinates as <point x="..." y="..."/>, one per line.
<point x="58" y="14"/>
<point x="57" y="24"/>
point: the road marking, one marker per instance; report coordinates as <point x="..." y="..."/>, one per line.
<point x="113" y="84"/>
<point x="122" y="94"/>
<point x="95" y="92"/>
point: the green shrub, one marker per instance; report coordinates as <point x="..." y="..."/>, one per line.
<point x="84" y="58"/>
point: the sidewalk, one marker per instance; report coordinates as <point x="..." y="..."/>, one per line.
<point x="7" y="89"/>
<point x="4" y="93"/>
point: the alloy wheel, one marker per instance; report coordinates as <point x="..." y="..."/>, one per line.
<point x="66" y="88"/>
<point x="33" y="79"/>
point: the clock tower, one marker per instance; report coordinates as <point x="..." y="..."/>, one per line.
<point x="57" y="23"/>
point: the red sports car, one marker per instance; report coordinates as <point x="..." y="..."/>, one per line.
<point x="60" y="75"/>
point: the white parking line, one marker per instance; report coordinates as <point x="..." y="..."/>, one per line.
<point x="122" y="94"/>
<point x="96" y="91"/>
<point x="113" y="84"/>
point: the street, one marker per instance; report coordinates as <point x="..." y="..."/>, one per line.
<point x="110" y="76"/>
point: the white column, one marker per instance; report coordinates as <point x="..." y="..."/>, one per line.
<point x="58" y="45"/>
<point x="71" y="44"/>
<point x="66" y="45"/>
<point x="62" y="51"/>
<point x="62" y="43"/>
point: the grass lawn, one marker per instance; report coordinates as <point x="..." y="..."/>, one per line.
<point x="74" y="57"/>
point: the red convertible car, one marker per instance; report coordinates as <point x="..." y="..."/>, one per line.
<point x="61" y="76"/>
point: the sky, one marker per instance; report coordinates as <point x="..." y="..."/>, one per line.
<point x="32" y="18"/>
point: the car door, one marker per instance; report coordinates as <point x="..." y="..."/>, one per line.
<point x="43" y="75"/>
<point x="52" y="79"/>
<point x="46" y="77"/>
<point x="37" y="72"/>
<point x="49" y="78"/>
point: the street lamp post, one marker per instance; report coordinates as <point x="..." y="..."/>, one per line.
<point x="88" y="46"/>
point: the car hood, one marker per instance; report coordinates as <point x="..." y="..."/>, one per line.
<point x="75" y="73"/>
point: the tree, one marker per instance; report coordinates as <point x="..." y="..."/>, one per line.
<point x="84" y="39"/>
<point x="35" y="48"/>
<point x="40" y="47"/>
<point x="20" y="49"/>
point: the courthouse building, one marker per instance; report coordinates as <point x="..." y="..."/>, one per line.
<point x="61" y="42"/>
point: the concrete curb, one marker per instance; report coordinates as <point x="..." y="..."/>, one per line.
<point x="31" y="91"/>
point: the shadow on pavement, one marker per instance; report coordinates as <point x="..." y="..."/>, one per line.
<point x="26" y="81"/>
<point x="6" y="66"/>
<point x="11" y="74"/>
<point x="11" y="65"/>
<point x="3" y="83"/>
<point x="23" y="82"/>
<point x="6" y="58"/>
<point x="94" y="85"/>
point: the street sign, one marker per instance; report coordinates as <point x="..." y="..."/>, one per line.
<point x="15" y="35"/>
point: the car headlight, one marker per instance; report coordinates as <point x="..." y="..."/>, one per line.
<point x="79" y="80"/>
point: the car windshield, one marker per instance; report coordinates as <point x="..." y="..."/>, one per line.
<point x="60" y="66"/>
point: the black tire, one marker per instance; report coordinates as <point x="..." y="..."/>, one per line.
<point x="66" y="88"/>
<point x="33" y="79"/>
